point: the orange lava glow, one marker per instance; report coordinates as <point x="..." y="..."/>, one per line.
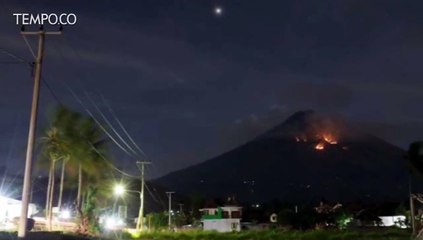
<point x="330" y="139"/>
<point x="320" y="146"/>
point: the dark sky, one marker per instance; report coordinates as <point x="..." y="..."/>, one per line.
<point x="189" y="84"/>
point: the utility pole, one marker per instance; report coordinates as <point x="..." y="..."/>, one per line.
<point x="412" y="216"/>
<point x="32" y="124"/>
<point x="169" y="194"/>
<point x="140" y="220"/>
<point x="181" y="208"/>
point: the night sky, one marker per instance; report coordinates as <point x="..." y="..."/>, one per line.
<point x="189" y="83"/>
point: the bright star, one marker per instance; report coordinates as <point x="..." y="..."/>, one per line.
<point x="218" y="11"/>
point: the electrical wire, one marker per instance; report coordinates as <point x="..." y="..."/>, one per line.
<point x="47" y="85"/>
<point x="107" y="105"/>
<point x="79" y="100"/>
<point x="78" y="56"/>
<point x="122" y="127"/>
<point x="14" y="56"/>
<point x="95" y="119"/>
<point x="28" y="45"/>
<point x="155" y="198"/>
<point x="152" y="195"/>
<point x="110" y="125"/>
<point x="111" y="164"/>
<point x="45" y="82"/>
<point x="31" y="65"/>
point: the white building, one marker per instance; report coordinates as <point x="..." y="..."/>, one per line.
<point x="222" y="219"/>
<point x="390" y="221"/>
<point x="10" y="209"/>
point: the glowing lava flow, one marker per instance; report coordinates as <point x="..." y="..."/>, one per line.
<point x="320" y="146"/>
<point x="321" y="139"/>
<point x="329" y="139"/>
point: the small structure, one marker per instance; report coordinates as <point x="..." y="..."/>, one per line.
<point x="397" y="221"/>
<point x="225" y="218"/>
<point x="10" y="210"/>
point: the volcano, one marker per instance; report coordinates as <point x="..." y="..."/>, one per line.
<point x="308" y="157"/>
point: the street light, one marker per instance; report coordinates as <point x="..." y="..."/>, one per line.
<point x="120" y="190"/>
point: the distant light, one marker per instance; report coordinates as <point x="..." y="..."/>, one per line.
<point x="218" y="11"/>
<point x="113" y="223"/>
<point x="65" y="214"/>
<point x="320" y="146"/>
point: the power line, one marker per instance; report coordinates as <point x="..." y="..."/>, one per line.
<point x="89" y="112"/>
<point x="107" y="105"/>
<point x="14" y="56"/>
<point x="9" y="62"/>
<point x="122" y="127"/>
<point x="28" y="45"/>
<point x="126" y="147"/>
<point x="31" y="65"/>
<point x="111" y="164"/>
<point x="95" y="119"/>
<point x="153" y="196"/>
<point x="110" y="125"/>
<point x="47" y="85"/>
<point x="78" y="56"/>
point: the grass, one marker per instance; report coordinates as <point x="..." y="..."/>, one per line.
<point x="389" y="234"/>
<point x="376" y="234"/>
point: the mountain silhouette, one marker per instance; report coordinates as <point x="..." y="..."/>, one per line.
<point x="308" y="157"/>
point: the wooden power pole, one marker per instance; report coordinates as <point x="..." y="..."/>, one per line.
<point x="140" y="220"/>
<point x="32" y="127"/>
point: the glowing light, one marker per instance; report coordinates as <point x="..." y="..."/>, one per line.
<point x="119" y="190"/>
<point x="320" y="146"/>
<point x="113" y="223"/>
<point x="329" y="138"/>
<point x="65" y="214"/>
<point x="300" y="139"/>
<point x="218" y="11"/>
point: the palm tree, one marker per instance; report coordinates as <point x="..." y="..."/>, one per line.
<point x="89" y="155"/>
<point x="54" y="148"/>
<point x="62" y="181"/>
<point x="76" y="141"/>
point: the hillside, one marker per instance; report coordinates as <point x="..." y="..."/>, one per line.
<point x="306" y="158"/>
